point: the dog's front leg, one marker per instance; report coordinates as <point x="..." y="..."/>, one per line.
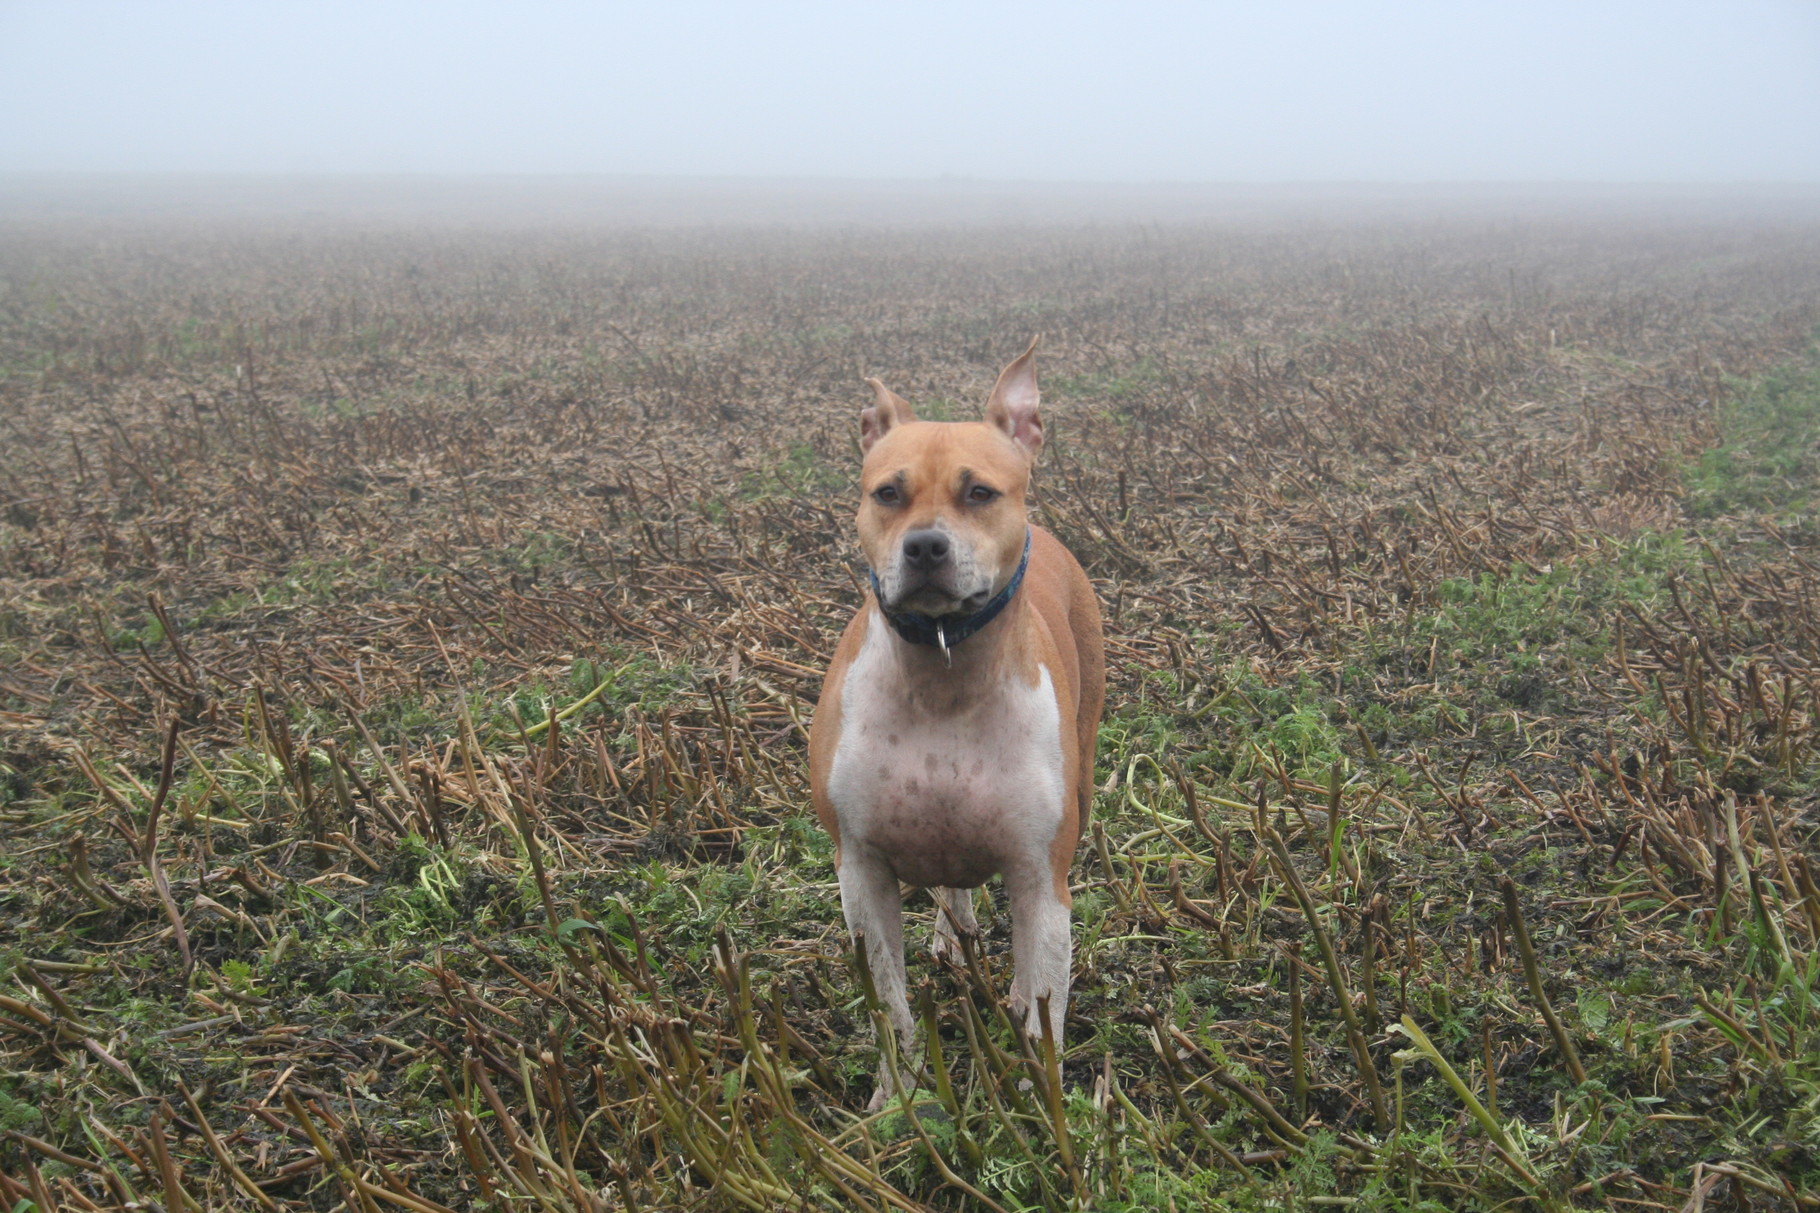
<point x="873" y="905"/>
<point x="1041" y="948"/>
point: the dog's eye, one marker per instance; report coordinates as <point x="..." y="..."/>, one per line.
<point x="885" y="494"/>
<point x="979" y="494"/>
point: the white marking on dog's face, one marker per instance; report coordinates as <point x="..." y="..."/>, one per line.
<point x="963" y="481"/>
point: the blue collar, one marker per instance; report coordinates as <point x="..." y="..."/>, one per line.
<point x="945" y="631"/>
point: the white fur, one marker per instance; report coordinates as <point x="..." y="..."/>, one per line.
<point x="947" y="792"/>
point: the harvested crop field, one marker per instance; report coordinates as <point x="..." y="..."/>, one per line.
<point x="408" y="635"/>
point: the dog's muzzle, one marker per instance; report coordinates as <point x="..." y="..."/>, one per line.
<point x="950" y="628"/>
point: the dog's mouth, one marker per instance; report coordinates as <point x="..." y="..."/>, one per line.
<point x="935" y="601"/>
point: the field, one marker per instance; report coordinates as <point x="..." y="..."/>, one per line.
<point x="408" y="634"/>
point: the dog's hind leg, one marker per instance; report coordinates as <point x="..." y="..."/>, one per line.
<point x="953" y="919"/>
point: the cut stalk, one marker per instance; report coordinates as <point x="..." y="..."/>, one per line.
<point x="1506" y="1146"/>
<point x="1330" y="958"/>
<point x="1533" y="972"/>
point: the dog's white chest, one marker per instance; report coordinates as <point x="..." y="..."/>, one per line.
<point x="946" y="791"/>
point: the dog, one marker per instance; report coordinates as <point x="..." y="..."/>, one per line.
<point x="954" y="737"/>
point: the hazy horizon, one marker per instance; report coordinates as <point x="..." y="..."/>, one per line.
<point x="1162" y="94"/>
<point x="595" y="201"/>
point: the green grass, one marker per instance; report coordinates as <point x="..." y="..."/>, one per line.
<point x="1765" y="460"/>
<point x="796" y="471"/>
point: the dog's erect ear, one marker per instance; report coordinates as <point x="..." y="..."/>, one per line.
<point x="1013" y="407"/>
<point x="888" y="409"/>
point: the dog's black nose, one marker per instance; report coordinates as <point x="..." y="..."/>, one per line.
<point x="926" y="550"/>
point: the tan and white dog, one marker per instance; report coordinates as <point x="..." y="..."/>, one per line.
<point x="955" y="733"/>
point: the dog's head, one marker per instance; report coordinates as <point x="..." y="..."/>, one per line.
<point x="941" y="514"/>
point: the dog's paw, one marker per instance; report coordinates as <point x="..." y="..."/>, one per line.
<point x="945" y="943"/>
<point x="1028" y="1014"/>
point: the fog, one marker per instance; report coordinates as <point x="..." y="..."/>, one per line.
<point x="1686" y="94"/>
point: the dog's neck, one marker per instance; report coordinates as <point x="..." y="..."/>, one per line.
<point x="997" y="658"/>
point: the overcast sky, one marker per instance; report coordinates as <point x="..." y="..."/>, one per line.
<point x="1468" y="90"/>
